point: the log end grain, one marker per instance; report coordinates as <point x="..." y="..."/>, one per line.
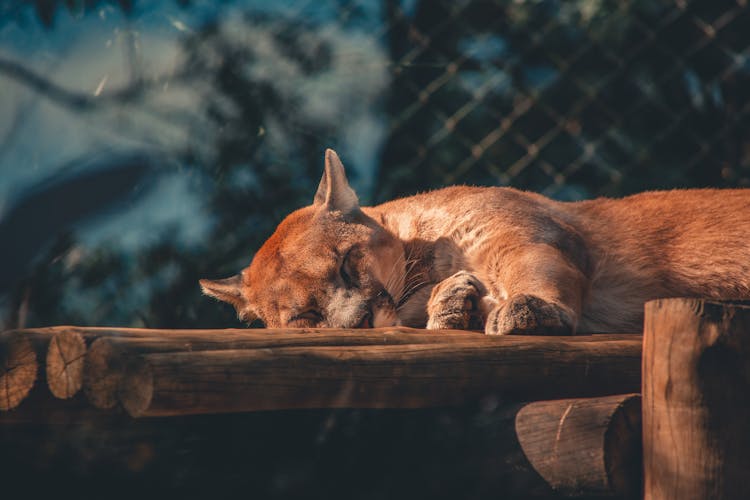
<point x="65" y="360"/>
<point x="587" y="446"/>
<point x="18" y="369"/>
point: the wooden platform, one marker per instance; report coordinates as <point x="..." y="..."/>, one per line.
<point x="183" y="372"/>
<point x="431" y="414"/>
<point x="98" y="379"/>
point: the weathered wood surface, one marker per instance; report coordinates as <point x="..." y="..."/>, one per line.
<point x="585" y="447"/>
<point x="108" y="356"/>
<point x="99" y="357"/>
<point x="696" y="400"/>
<point x="283" y="337"/>
<point x="64" y="362"/>
<point x="376" y="376"/>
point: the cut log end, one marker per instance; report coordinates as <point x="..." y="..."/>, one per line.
<point x="18" y="369"/>
<point x="588" y="446"/>
<point x="65" y="359"/>
<point x="137" y="388"/>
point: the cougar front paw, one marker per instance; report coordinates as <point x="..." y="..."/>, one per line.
<point x="528" y="315"/>
<point x="455" y="303"/>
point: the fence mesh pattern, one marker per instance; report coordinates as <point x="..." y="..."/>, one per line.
<point x="573" y="99"/>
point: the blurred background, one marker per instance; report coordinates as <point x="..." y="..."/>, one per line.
<point x="145" y="145"/>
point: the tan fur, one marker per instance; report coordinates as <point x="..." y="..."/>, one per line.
<point x="497" y="258"/>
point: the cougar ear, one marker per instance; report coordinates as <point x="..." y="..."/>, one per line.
<point x="334" y="192"/>
<point x="230" y="290"/>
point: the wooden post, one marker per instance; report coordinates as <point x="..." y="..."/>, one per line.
<point x="391" y="376"/>
<point x="585" y="446"/>
<point x="696" y="400"/>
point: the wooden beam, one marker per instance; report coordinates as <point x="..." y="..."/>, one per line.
<point x="108" y="355"/>
<point x="110" y="345"/>
<point x="377" y="376"/>
<point x="585" y="447"/>
<point x="65" y="359"/>
<point x="284" y="336"/>
<point x="68" y="361"/>
<point x="696" y="400"/>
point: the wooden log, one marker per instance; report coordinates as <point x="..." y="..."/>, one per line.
<point x="391" y="376"/>
<point x="108" y="356"/>
<point x="91" y="333"/>
<point x="585" y="447"/>
<point x="65" y="359"/>
<point x="18" y="369"/>
<point x="696" y="400"/>
<point x="16" y="348"/>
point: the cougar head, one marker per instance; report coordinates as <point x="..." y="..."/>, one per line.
<point x="326" y="265"/>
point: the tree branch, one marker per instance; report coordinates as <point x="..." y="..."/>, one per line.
<point x="76" y="100"/>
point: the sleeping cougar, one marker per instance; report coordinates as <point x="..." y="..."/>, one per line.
<point x="493" y="259"/>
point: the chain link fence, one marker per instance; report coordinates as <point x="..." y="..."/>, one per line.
<point x="573" y="99"/>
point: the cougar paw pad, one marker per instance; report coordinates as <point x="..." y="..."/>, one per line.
<point x="528" y="315"/>
<point x="454" y="303"/>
